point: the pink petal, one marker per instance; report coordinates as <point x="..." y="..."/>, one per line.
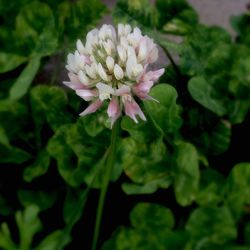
<point x="73" y="86"/>
<point x="140" y="77"/>
<point x="146" y="82"/>
<point x="150" y="75"/>
<point x="143" y="86"/>
<point x="132" y="109"/>
<point x="142" y="89"/>
<point x="114" y="110"/>
<point x="153" y="55"/>
<point x="155" y="75"/>
<point x="153" y="50"/>
<point x="142" y="49"/>
<point x="74" y="78"/>
<point x="93" y="107"/>
<point x="86" y="94"/>
<point x="74" y="82"/>
<point x="87" y="59"/>
<point x="124" y="89"/>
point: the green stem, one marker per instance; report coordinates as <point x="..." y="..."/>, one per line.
<point x="105" y="182"/>
<point x="176" y="68"/>
<point x="78" y="209"/>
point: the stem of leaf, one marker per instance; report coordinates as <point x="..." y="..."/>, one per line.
<point x="176" y="68"/>
<point x="105" y="182"/>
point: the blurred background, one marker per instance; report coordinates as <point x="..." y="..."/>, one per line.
<point x="211" y="12"/>
<point x="181" y="184"/>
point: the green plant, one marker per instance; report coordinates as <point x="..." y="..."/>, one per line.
<point x="182" y="177"/>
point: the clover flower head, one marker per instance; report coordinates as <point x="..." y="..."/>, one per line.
<point x="112" y="67"/>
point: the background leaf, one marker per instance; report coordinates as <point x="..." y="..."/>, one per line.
<point x="165" y="114"/>
<point x="161" y="218"/>
<point x="38" y="168"/>
<point x="42" y="199"/>
<point x="154" y="233"/>
<point x="145" y="164"/>
<point x="238" y="188"/>
<point x="187" y="173"/>
<point x="41" y="34"/>
<point x="202" y="92"/>
<point x="212" y="225"/>
<point x="23" y="82"/>
<point x="211" y="188"/>
<point x="49" y="105"/>
<point x="77" y="154"/>
<point x="10" y="61"/>
<point x="28" y="225"/>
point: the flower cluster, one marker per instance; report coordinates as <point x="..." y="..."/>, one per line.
<point x="112" y="66"/>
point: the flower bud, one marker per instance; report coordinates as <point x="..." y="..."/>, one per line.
<point x="110" y="63"/>
<point x="120" y="29"/>
<point x="142" y="50"/>
<point x="102" y="73"/>
<point x="91" y="71"/>
<point x="122" y="53"/>
<point x="104" y="91"/>
<point x="127" y="29"/>
<point x="80" y="47"/>
<point x="118" y="72"/>
<point x="83" y="78"/>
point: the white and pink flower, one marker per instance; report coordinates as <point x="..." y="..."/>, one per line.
<point x="112" y="66"/>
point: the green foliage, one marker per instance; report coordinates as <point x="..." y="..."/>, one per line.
<point x="78" y="17"/>
<point x="10" y="61"/>
<point x="211" y="225"/>
<point x="41" y="34"/>
<point x="177" y="168"/>
<point x="166" y="113"/>
<point x="141" y="132"/>
<point x="218" y="139"/>
<point x="159" y="217"/>
<point x="186" y="170"/>
<point x="21" y="85"/>
<point x="201" y="91"/>
<point x="30" y="116"/>
<point x="153" y="233"/>
<point x="48" y="106"/>
<point x="32" y="40"/>
<point x="53" y="240"/>
<point x="41" y="199"/>
<point x="211" y="188"/>
<point x="238" y="183"/>
<point x="241" y="25"/>
<point x="77" y="153"/>
<point x="28" y="225"/>
<point x="9" y="153"/>
<point x="153" y="158"/>
<point x="38" y="167"/>
<point x="175" y="17"/>
<point x="137" y="13"/>
<point x="218" y="68"/>
<point x="36" y="33"/>
<point x="10" y="112"/>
